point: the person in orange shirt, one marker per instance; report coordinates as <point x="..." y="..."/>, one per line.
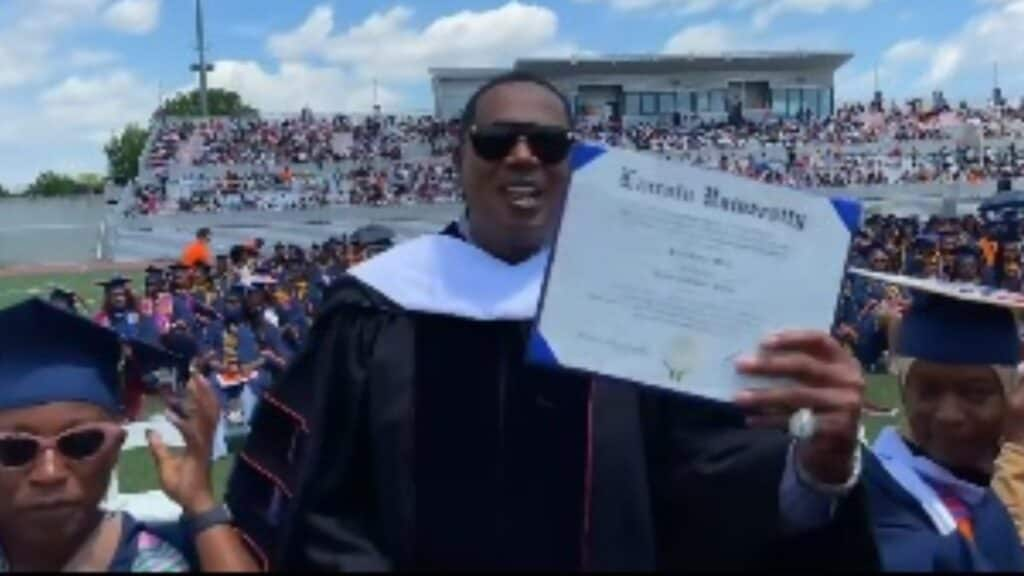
<point x="198" y="251"/>
<point x="989" y="249"/>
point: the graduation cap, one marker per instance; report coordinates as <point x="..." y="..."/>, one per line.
<point x="117" y="281"/>
<point x="372" y="235"/>
<point x="954" y="323"/>
<point x="925" y="242"/>
<point x="154" y="271"/>
<point x="58" y="356"/>
<point x="178" y="267"/>
<point x="64" y="297"/>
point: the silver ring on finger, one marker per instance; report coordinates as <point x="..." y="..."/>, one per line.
<point x="803" y="424"/>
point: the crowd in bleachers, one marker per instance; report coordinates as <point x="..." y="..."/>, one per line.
<point x="828" y="168"/>
<point x="313" y="161"/>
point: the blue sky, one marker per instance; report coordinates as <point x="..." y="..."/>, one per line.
<point x="73" y="71"/>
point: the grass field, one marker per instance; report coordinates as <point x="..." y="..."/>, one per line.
<point x="14" y="290"/>
<point x="882" y="390"/>
<point x="136" y="470"/>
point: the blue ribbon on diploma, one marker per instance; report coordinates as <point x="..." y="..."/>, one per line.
<point x="539" y="352"/>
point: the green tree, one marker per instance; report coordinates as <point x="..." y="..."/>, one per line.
<point x="91" y="182"/>
<point x="53" y="185"/>
<point x="4" y="191"/>
<point x="123" y="153"/>
<point x="222" y="103"/>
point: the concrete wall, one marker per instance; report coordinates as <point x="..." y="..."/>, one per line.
<point x="451" y="95"/>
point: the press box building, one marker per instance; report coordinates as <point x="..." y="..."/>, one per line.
<point x="668" y="88"/>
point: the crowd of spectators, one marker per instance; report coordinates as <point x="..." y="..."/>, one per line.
<point x="313" y="160"/>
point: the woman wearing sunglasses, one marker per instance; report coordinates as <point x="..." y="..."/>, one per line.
<point x="60" y="377"/>
<point x="59" y="442"/>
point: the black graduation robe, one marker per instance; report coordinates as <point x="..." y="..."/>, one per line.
<point x="403" y="439"/>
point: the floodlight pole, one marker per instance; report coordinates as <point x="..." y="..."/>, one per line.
<point x="201" y="66"/>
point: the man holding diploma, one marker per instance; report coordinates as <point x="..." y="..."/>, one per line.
<point x="413" y="434"/>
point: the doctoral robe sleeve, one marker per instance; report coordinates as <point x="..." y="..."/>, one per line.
<point x="722" y="501"/>
<point x="319" y="512"/>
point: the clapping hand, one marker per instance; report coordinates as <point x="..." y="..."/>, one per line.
<point x="185" y="476"/>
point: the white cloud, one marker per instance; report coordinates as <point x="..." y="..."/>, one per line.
<point x="32" y="30"/>
<point x="764" y="11"/>
<point x="296" y="85"/>
<point x="684" y="6"/>
<point x="765" y="15"/>
<point x="905" y="51"/>
<point x="87" y="58"/>
<point x="388" y="46"/>
<point x="702" y="38"/>
<point x="28" y="38"/>
<point x="306" y="39"/>
<point x="715" y="37"/>
<point x="93" y="106"/>
<point x="959" y="64"/>
<point x="133" y="16"/>
<point x="64" y="126"/>
<point x="896" y="66"/>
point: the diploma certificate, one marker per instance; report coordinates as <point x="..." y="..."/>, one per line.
<point x="664" y="274"/>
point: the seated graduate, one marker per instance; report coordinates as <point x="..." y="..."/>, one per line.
<point x="59" y="442"/>
<point x="120" y="312"/>
<point x="929" y="486"/>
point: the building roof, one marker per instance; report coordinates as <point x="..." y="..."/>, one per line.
<point x="676" y="63"/>
<point x="465" y="73"/>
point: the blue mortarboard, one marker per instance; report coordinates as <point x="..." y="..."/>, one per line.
<point x="926" y="242"/>
<point x="50" y="355"/>
<point x="951" y="323"/>
<point x="950" y="331"/>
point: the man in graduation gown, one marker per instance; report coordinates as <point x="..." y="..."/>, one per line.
<point x="411" y="434"/>
<point x="231" y="355"/>
<point x="183" y="301"/>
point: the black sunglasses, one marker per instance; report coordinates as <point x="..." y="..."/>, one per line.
<point x="550" y="144"/>
<point x="77" y="444"/>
